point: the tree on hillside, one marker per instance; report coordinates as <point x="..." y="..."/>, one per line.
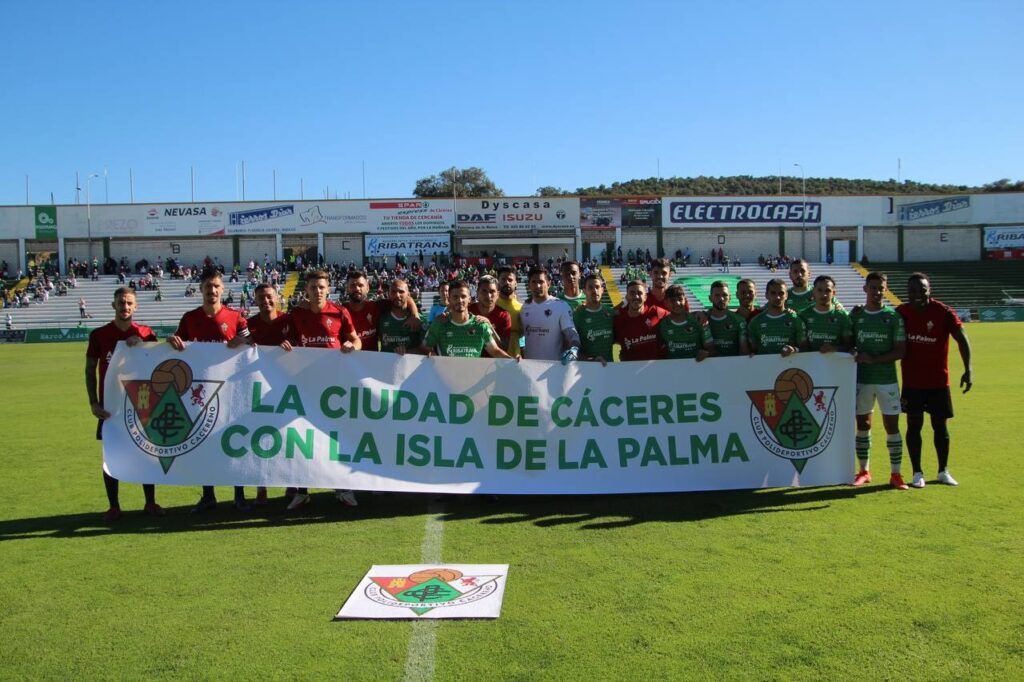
<point x="551" y="191"/>
<point x="462" y="182"/>
<point x="746" y="185"/>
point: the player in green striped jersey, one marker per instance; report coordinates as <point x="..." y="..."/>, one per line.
<point x="460" y="334"/>
<point x="395" y="335"/>
<point x="880" y="340"/>
<point x="682" y="335"/>
<point x="827" y="327"/>
<point x="727" y="329"/>
<point x="595" y="322"/>
<point x="800" y="296"/>
<point x="571" y="294"/>
<point x="776" y="329"/>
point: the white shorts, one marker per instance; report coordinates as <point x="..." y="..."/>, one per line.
<point x="888" y="396"/>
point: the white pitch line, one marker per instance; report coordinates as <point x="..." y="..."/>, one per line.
<point x="419" y="661"/>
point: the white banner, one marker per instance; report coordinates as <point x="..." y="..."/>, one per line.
<point x="376" y="421"/>
<point x="1004" y="237"/>
<point x="408" y="244"/>
<point x="513" y="214"/>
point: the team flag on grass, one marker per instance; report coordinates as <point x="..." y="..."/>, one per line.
<point x="428" y="591"/>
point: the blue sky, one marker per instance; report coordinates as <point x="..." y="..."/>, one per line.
<point x="537" y="93"/>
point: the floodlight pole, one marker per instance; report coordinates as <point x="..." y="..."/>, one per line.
<point x="803" y="214"/>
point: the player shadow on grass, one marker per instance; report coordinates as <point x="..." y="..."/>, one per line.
<point x="590" y="512"/>
<point x="601" y="512"/>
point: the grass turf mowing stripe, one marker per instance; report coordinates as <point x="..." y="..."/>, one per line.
<point x="419" y="662"/>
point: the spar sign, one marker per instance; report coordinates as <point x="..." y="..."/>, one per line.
<point x="376" y="421"/>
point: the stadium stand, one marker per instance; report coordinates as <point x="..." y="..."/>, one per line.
<point x="961" y="285"/>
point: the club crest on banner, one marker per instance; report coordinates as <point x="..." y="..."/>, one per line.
<point x="794" y="420"/>
<point x="172" y="412"/>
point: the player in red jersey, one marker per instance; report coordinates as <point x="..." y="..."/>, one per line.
<point x="366" y="314"/>
<point x="636" y="325"/>
<point x="216" y="323"/>
<point x="322" y="324"/>
<point x="929" y="324"/>
<point x="486" y="305"/>
<point x="97" y="356"/>
<point x="268" y="327"/>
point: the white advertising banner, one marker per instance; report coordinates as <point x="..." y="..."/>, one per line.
<point x="279" y="217"/>
<point x="1004" y="237"/>
<point x="376" y="421"/>
<point x="407" y="244"/>
<point x="508" y="214"/>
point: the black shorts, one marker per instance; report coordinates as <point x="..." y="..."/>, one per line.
<point x="935" y="401"/>
<point x="99" y="429"/>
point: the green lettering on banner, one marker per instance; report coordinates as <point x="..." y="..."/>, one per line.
<point x="535" y="455"/>
<point x="225" y="440"/>
<point x="652" y="453"/>
<point x="734" y="449"/>
<point x="661" y="409"/>
<point x="629" y="448"/>
<point x="686" y="408"/>
<point x="457" y="401"/>
<point x="607" y="403"/>
<point x="712" y="410"/>
<point x="325" y="403"/>
<point x="528" y="408"/>
<point x="257" y="394"/>
<point x="295" y="441"/>
<point x="592" y="455"/>
<point x="367" y="449"/>
<point x="563" y="463"/>
<point x="499" y="410"/>
<point x="432" y="409"/>
<point x="586" y="414"/>
<point x="469" y="455"/>
<point x="381" y="410"/>
<point x="556" y="412"/>
<point x="257" y="442"/>
<point x="406" y="406"/>
<point x="333" y="452"/>
<point x="708" y="449"/>
<point x="636" y="410"/>
<point x="508" y="454"/>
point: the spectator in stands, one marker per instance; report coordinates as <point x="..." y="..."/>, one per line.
<point x="81" y="309"/>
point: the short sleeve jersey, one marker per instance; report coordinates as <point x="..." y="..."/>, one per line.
<point x="926" y="363"/>
<point x="513" y="307"/>
<point x="638" y="336"/>
<point x="499" y="319"/>
<point x="394" y="334"/>
<point x="102" y="341"/>
<point x="325" y="329"/>
<point x="800" y="302"/>
<point x="366" y="321"/>
<point x="652" y="302"/>
<point x="574" y="302"/>
<point x="748" y="313"/>
<point x="727" y="333"/>
<point x="682" y="339"/>
<point x="877" y="332"/>
<point x="196" y="325"/>
<point x="271" y="333"/>
<point x="770" y="333"/>
<point x="597" y="331"/>
<point x="543" y="324"/>
<point x="832" y="326"/>
<point x="465" y="340"/>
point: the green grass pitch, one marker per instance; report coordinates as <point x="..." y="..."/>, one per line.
<point x="777" y="584"/>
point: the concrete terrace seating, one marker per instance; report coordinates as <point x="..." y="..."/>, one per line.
<point x="62" y="311"/>
<point x="960" y="285"/>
